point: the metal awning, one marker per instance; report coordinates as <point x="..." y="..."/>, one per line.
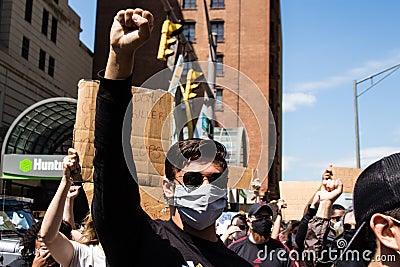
<point x="44" y="128"/>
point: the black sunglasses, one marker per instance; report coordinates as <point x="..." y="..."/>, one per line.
<point x="241" y="227"/>
<point x="195" y="179"/>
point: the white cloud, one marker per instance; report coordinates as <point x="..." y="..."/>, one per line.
<point x="291" y="101"/>
<point x="286" y="162"/>
<point x="368" y="156"/>
<point x="303" y="94"/>
<point x="359" y="73"/>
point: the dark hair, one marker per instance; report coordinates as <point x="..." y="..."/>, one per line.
<point x="242" y="217"/>
<point x="182" y="152"/>
<point x="295" y="223"/>
<point x="338" y="207"/>
<point x="30" y="236"/>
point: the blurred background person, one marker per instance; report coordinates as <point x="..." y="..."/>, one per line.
<point x="236" y="230"/>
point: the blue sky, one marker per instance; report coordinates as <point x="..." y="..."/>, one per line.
<point x="326" y="46"/>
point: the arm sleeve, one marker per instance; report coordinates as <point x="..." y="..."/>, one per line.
<point x="315" y="242"/>
<point x="303" y="226"/>
<point x="116" y="199"/>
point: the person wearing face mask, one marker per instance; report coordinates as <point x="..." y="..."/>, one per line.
<point x="336" y="222"/>
<point x="258" y="248"/>
<point x="319" y="226"/>
<point x="349" y="231"/>
<point x="236" y="230"/>
<point x="194" y="186"/>
<point x="330" y="220"/>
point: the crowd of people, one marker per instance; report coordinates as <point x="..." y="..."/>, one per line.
<point x="195" y="188"/>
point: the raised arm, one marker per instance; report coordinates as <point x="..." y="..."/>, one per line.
<point x="59" y="246"/>
<point x="131" y="28"/>
<point x="318" y="226"/>
<point x="281" y="204"/>
<point x="116" y="199"/>
<point x="68" y="214"/>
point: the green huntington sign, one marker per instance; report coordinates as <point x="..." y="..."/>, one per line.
<point x="16" y="166"/>
<point x="25" y="165"/>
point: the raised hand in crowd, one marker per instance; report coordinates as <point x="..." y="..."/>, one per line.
<point x="276" y="228"/>
<point x="68" y="215"/>
<point x="131" y="28"/>
<point x="68" y="252"/>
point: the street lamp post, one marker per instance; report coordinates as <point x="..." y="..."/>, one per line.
<point x="356" y="95"/>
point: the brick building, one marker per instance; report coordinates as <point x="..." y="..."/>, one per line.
<point x="41" y="55"/>
<point x="41" y="61"/>
<point x="249" y="42"/>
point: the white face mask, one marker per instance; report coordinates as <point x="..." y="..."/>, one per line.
<point x="293" y="239"/>
<point x="203" y="219"/>
<point x="338" y="228"/>
<point x="201" y="207"/>
<point x="238" y="235"/>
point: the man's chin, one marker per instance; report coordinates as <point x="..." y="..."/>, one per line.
<point x="260" y="239"/>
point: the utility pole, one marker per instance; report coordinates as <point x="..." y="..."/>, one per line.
<point x="212" y="67"/>
<point x="356" y="95"/>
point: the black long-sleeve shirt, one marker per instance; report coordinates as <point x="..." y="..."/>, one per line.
<point x="128" y="235"/>
<point x="303" y="226"/>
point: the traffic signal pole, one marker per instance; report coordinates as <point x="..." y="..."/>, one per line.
<point x="212" y="67"/>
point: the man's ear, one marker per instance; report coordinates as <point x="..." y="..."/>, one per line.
<point x="167" y="188"/>
<point x="384" y="230"/>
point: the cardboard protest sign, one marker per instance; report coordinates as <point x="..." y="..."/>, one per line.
<point x="151" y="133"/>
<point x="153" y="203"/>
<point x="83" y="135"/>
<point x="297" y="195"/>
<point x="348" y="176"/>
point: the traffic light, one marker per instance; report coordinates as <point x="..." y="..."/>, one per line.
<point x="187" y="93"/>
<point x="168" y="30"/>
<point x="191" y="76"/>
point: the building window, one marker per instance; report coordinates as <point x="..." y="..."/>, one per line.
<point x="217" y="26"/>
<point x="50" y="69"/>
<point x="189" y="30"/>
<point x="218" y="98"/>
<point x="220" y="65"/>
<point x="28" y="10"/>
<point x="54" y="23"/>
<point x="42" y="59"/>
<point x="45" y="21"/>
<point x="189" y="4"/>
<point x="217" y="4"/>
<point x="25" y="48"/>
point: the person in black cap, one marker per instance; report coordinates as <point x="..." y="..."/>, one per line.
<point x="258" y="248"/>
<point x="376" y="199"/>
